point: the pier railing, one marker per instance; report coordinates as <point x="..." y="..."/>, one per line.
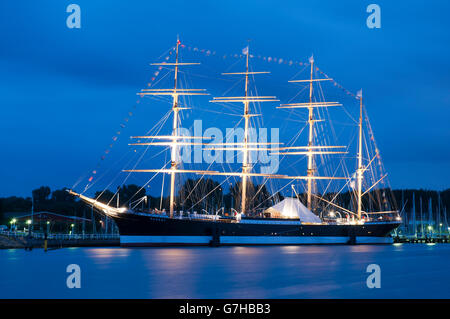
<point x="16" y="234"/>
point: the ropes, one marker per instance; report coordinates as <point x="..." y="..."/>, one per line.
<point x="322" y="136"/>
<point x="117" y="134"/>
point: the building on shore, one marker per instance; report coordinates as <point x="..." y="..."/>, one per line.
<point x="47" y="222"/>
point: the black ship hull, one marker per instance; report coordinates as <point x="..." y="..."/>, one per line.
<point x="154" y="230"/>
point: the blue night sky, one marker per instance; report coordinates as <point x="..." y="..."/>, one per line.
<point x="63" y="92"/>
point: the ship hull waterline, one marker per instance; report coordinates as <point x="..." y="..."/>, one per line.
<point x="141" y="231"/>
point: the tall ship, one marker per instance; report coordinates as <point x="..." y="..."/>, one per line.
<point x="309" y="216"/>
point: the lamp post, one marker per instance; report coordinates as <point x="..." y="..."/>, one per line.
<point x="29" y="243"/>
<point x="13" y="223"/>
<point x="29" y="228"/>
<point x="32" y="212"/>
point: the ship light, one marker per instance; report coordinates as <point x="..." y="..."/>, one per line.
<point x="29" y="222"/>
<point x="122" y="209"/>
<point x="332" y="214"/>
<point x="398" y="218"/>
<point x="289" y="211"/>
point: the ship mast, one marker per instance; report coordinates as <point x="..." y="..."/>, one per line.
<point x="245" y="146"/>
<point x="246" y="99"/>
<point x="311" y="149"/>
<point x="174" y="148"/>
<point x="310" y="169"/>
<point x="173" y="140"/>
<point x="360" y="166"/>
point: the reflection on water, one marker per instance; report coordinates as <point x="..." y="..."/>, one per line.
<point x="407" y="271"/>
<point x="107" y="253"/>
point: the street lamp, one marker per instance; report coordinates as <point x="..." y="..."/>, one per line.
<point x="29" y="227"/>
<point x="13" y="223"/>
<point x="71" y="228"/>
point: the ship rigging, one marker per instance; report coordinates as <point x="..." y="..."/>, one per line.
<point x="289" y="222"/>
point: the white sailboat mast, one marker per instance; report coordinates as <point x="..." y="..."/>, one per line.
<point x="244" y="145"/>
<point x="245" y="166"/>
<point x="360" y="166"/>
<point x="174" y="148"/>
<point x="173" y="139"/>
<point x="310" y="168"/>
<point x="311" y="149"/>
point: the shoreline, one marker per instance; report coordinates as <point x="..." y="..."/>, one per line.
<point x="26" y="243"/>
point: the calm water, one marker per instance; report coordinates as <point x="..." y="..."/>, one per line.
<point x="407" y="271"/>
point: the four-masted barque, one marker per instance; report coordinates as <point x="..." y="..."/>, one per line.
<point x="287" y="222"/>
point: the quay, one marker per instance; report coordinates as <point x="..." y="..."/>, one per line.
<point x="421" y="240"/>
<point x="37" y="240"/>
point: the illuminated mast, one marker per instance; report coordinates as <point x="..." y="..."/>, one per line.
<point x="245" y="146"/>
<point x="311" y="149"/>
<point x="246" y="100"/>
<point x="174" y="138"/>
<point x="360" y="166"/>
<point x="310" y="169"/>
<point x="245" y="166"/>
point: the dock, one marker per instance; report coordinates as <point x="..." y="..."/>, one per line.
<point x="421" y="240"/>
<point x="23" y="240"/>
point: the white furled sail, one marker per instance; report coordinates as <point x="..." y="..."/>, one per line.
<point x="292" y="208"/>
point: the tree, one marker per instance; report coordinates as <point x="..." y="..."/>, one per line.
<point x="258" y="197"/>
<point x="129" y="193"/>
<point x="202" y="193"/>
<point x="104" y="196"/>
<point x="41" y="194"/>
<point x="61" y="195"/>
